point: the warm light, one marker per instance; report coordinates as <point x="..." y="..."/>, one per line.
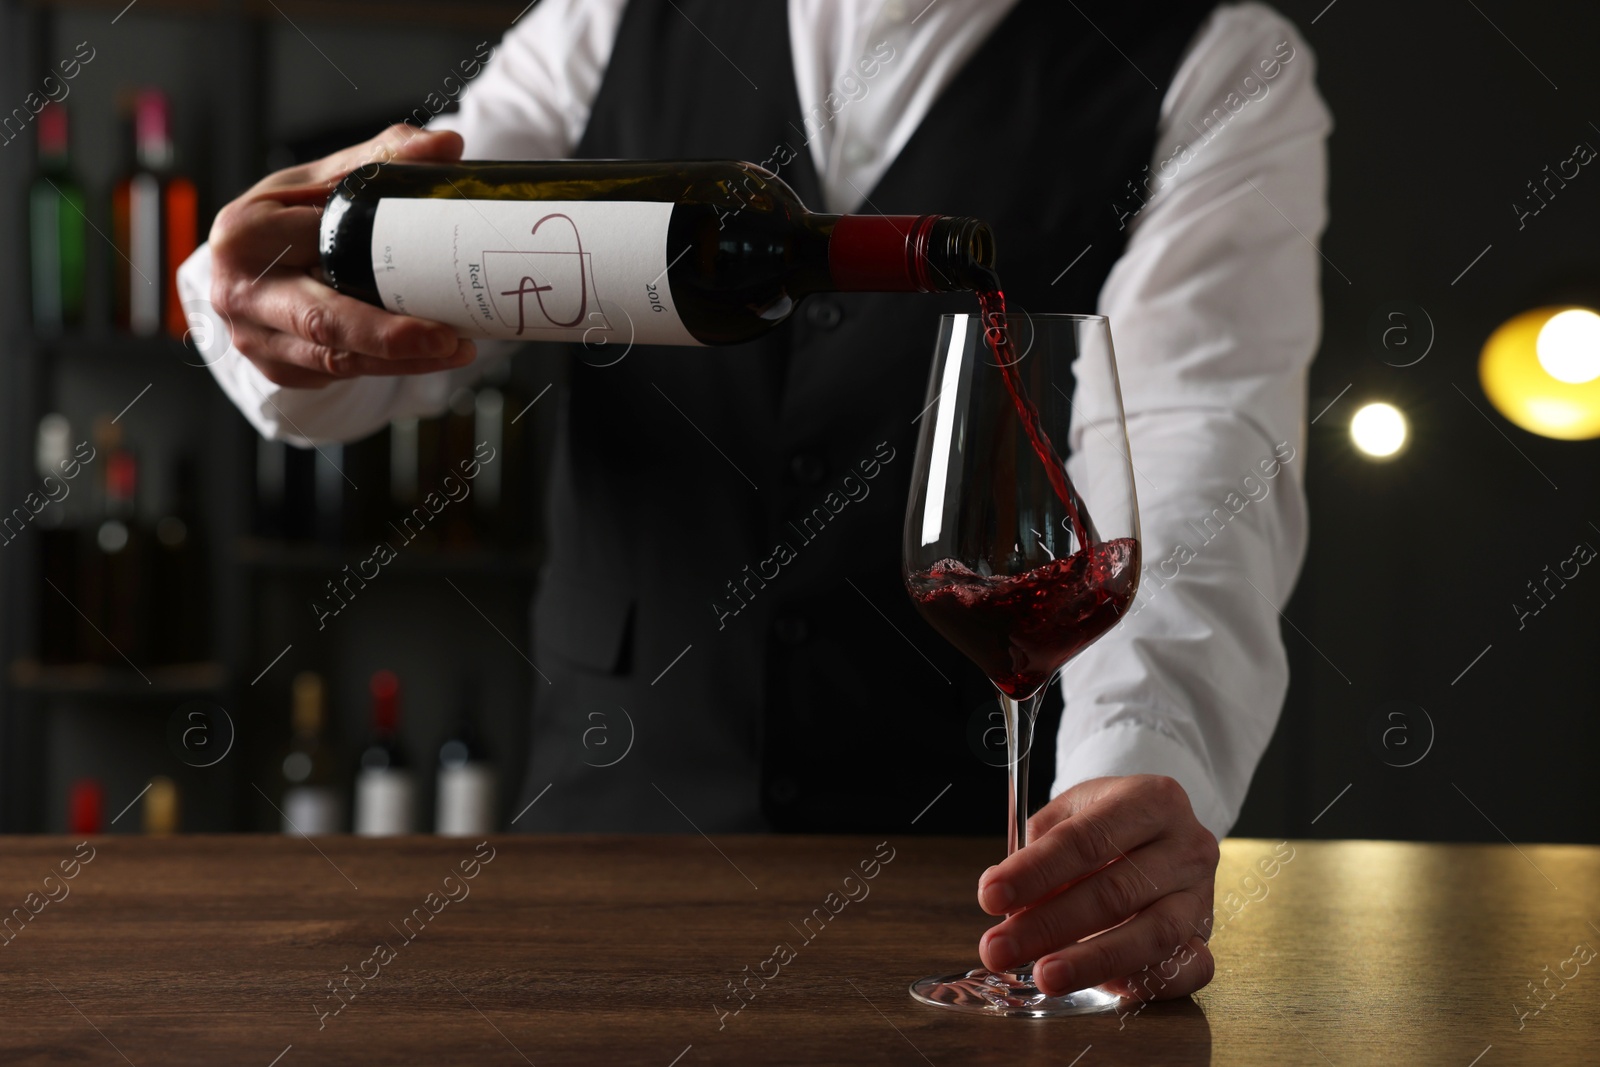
<point x="1569" y="346"/>
<point x="1378" y="430"/>
<point x="1541" y="370"/>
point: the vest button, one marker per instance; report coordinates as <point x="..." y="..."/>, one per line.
<point x="783" y="790"/>
<point x="790" y="629"/>
<point x="823" y="313"/>
<point x="808" y="468"/>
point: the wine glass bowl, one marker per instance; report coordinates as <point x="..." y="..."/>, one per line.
<point x="1017" y="557"/>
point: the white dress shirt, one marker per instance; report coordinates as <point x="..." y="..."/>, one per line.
<point x="1214" y="311"/>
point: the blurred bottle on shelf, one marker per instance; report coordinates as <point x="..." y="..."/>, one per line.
<point x="57" y="226"/>
<point x="330" y="512"/>
<point x="349" y="489"/>
<point x="452" y="482"/>
<point x="160" y="812"/>
<point x="501" y="489"/>
<point x="489" y="419"/>
<point x="86" y="807"/>
<point x="405" y="455"/>
<point x="464" y="803"/>
<point x="271" y="488"/>
<point x="456" y="521"/>
<point x="416" y="452"/>
<point x="313" y="794"/>
<point x="385" y="788"/>
<point x="115" y="555"/>
<point x="155" y="218"/>
<point x="178" y="608"/>
<point x="54" y="457"/>
<point x="285" y="506"/>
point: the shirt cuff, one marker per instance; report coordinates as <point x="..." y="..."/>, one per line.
<point x="1134" y="748"/>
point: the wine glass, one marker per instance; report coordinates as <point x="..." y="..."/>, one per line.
<point x="1020" y="559"/>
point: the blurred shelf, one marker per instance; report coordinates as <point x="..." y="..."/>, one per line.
<point x="92" y="679"/>
<point x="289" y="557"/>
<point x="498" y="13"/>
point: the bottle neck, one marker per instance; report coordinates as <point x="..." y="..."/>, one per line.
<point x="385" y="719"/>
<point x="307" y="715"/>
<point x="53" y="137"/>
<point x="153" y="142"/>
<point x="385" y="688"/>
<point x="122" y="479"/>
<point x="906" y="253"/>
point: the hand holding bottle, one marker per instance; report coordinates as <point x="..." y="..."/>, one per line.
<point x="297" y="331"/>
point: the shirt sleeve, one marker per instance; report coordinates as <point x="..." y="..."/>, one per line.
<point x="531" y="101"/>
<point x="1215" y="315"/>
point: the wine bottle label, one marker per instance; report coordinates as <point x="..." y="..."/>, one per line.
<point x="530" y="270"/>
<point x="383" y="802"/>
<point x="313" y="809"/>
<point x="144" y="254"/>
<point x="466" y="800"/>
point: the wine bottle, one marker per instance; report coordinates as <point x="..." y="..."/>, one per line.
<point x="313" y="802"/>
<point x="160" y="813"/>
<point x="332" y="517"/>
<point x="57" y="223"/>
<point x="465" y="801"/>
<point x="285" y="498"/>
<point x="116" y="552"/>
<point x="416" y="455"/>
<point x="179" y="626"/>
<point x="59" y="565"/>
<point x="155" y="217"/>
<point x="612" y="252"/>
<point x="458" y="439"/>
<point x="86" y="807"/>
<point x="489" y="429"/>
<point x="385" y="791"/>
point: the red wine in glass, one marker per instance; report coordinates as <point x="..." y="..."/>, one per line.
<point x="1020" y="629"/>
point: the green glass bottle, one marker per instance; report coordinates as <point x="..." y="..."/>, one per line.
<point x="57" y="224"/>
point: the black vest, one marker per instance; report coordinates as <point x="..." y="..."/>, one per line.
<point x="816" y="699"/>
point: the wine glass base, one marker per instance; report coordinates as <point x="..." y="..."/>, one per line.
<point x="984" y="992"/>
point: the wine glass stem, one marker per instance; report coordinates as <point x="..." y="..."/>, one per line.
<point x="1019" y="718"/>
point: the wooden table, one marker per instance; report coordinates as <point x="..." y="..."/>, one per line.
<point x="574" y="950"/>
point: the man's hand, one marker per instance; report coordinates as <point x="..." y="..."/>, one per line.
<point x="1122" y="862"/>
<point x="296" y="330"/>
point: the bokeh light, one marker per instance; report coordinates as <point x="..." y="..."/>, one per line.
<point x="1541" y="370"/>
<point x="1379" y="430"/>
<point x="1569" y="346"/>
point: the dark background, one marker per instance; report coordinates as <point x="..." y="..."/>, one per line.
<point x="1441" y="117"/>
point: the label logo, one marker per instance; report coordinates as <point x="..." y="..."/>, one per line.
<point x="549" y="286"/>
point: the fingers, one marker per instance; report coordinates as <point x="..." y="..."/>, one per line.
<point x="251" y="236"/>
<point x="297" y="304"/>
<point x="1099" y="902"/>
<point x="1064" y="804"/>
<point x="1160" y="937"/>
<point x="1194" y="966"/>
<point x="296" y="363"/>
<point x="1108" y="827"/>
<point x="402" y="142"/>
